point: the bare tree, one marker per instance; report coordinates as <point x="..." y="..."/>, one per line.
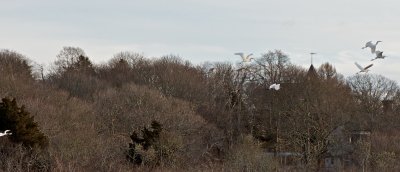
<point x="328" y="72"/>
<point x="271" y="66"/>
<point x="371" y="89"/>
<point x="68" y="56"/>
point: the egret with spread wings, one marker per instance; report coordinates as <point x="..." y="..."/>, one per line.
<point x="245" y="58"/>
<point x="371" y="45"/>
<point x="363" y="69"/>
<point x="379" y="55"/>
<point x="5" y="133"/>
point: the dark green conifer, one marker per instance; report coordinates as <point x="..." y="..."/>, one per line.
<point x="22" y="125"/>
<point x="150" y="137"/>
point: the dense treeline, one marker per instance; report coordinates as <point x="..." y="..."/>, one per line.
<point x="215" y="116"/>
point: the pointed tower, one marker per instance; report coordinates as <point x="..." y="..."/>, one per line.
<point x="312" y="72"/>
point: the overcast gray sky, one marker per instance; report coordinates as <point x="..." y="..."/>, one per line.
<point x="208" y="30"/>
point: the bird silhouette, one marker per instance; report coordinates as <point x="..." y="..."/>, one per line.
<point x="5" y="133"/>
<point x="275" y="87"/>
<point x="363" y="69"/>
<point x="371" y="45"/>
<point x="245" y="58"/>
<point x="379" y="55"/>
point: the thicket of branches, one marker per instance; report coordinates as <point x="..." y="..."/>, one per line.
<point x="214" y="116"/>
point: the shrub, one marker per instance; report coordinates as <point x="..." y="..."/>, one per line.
<point x="249" y="156"/>
<point x="15" y="157"/>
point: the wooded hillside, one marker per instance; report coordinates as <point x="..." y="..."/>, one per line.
<point x="136" y="113"/>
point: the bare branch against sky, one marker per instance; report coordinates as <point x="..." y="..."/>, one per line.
<point x="207" y="30"/>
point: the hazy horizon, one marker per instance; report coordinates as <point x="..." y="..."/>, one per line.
<point x="201" y="31"/>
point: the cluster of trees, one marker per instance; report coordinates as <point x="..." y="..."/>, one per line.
<point x="214" y="116"/>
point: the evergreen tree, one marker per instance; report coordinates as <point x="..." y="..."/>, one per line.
<point x="83" y="65"/>
<point x="22" y="125"/>
<point x="150" y="137"/>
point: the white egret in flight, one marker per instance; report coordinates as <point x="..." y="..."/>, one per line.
<point x="363" y="69"/>
<point x="275" y="87"/>
<point x="245" y="58"/>
<point x="379" y="55"/>
<point x="371" y="45"/>
<point x="5" y="133"/>
<point x="211" y="70"/>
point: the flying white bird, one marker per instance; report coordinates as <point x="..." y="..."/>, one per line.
<point x="244" y="57"/>
<point x="379" y="55"/>
<point x="363" y="69"/>
<point x="5" y="133"/>
<point x="275" y="87"/>
<point x="241" y="69"/>
<point x="211" y="70"/>
<point x="371" y="45"/>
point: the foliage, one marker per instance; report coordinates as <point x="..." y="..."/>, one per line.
<point x="67" y="57"/>
<point x="150" y="137"/>
<point x="19" y="158"/>
<point x="249" y="156"/>
<point x="385" y="160"/>
<point x="216" y="116"/>
<point x="22" y="125"/>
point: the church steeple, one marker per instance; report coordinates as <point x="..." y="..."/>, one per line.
<point x="311" y="71"/>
